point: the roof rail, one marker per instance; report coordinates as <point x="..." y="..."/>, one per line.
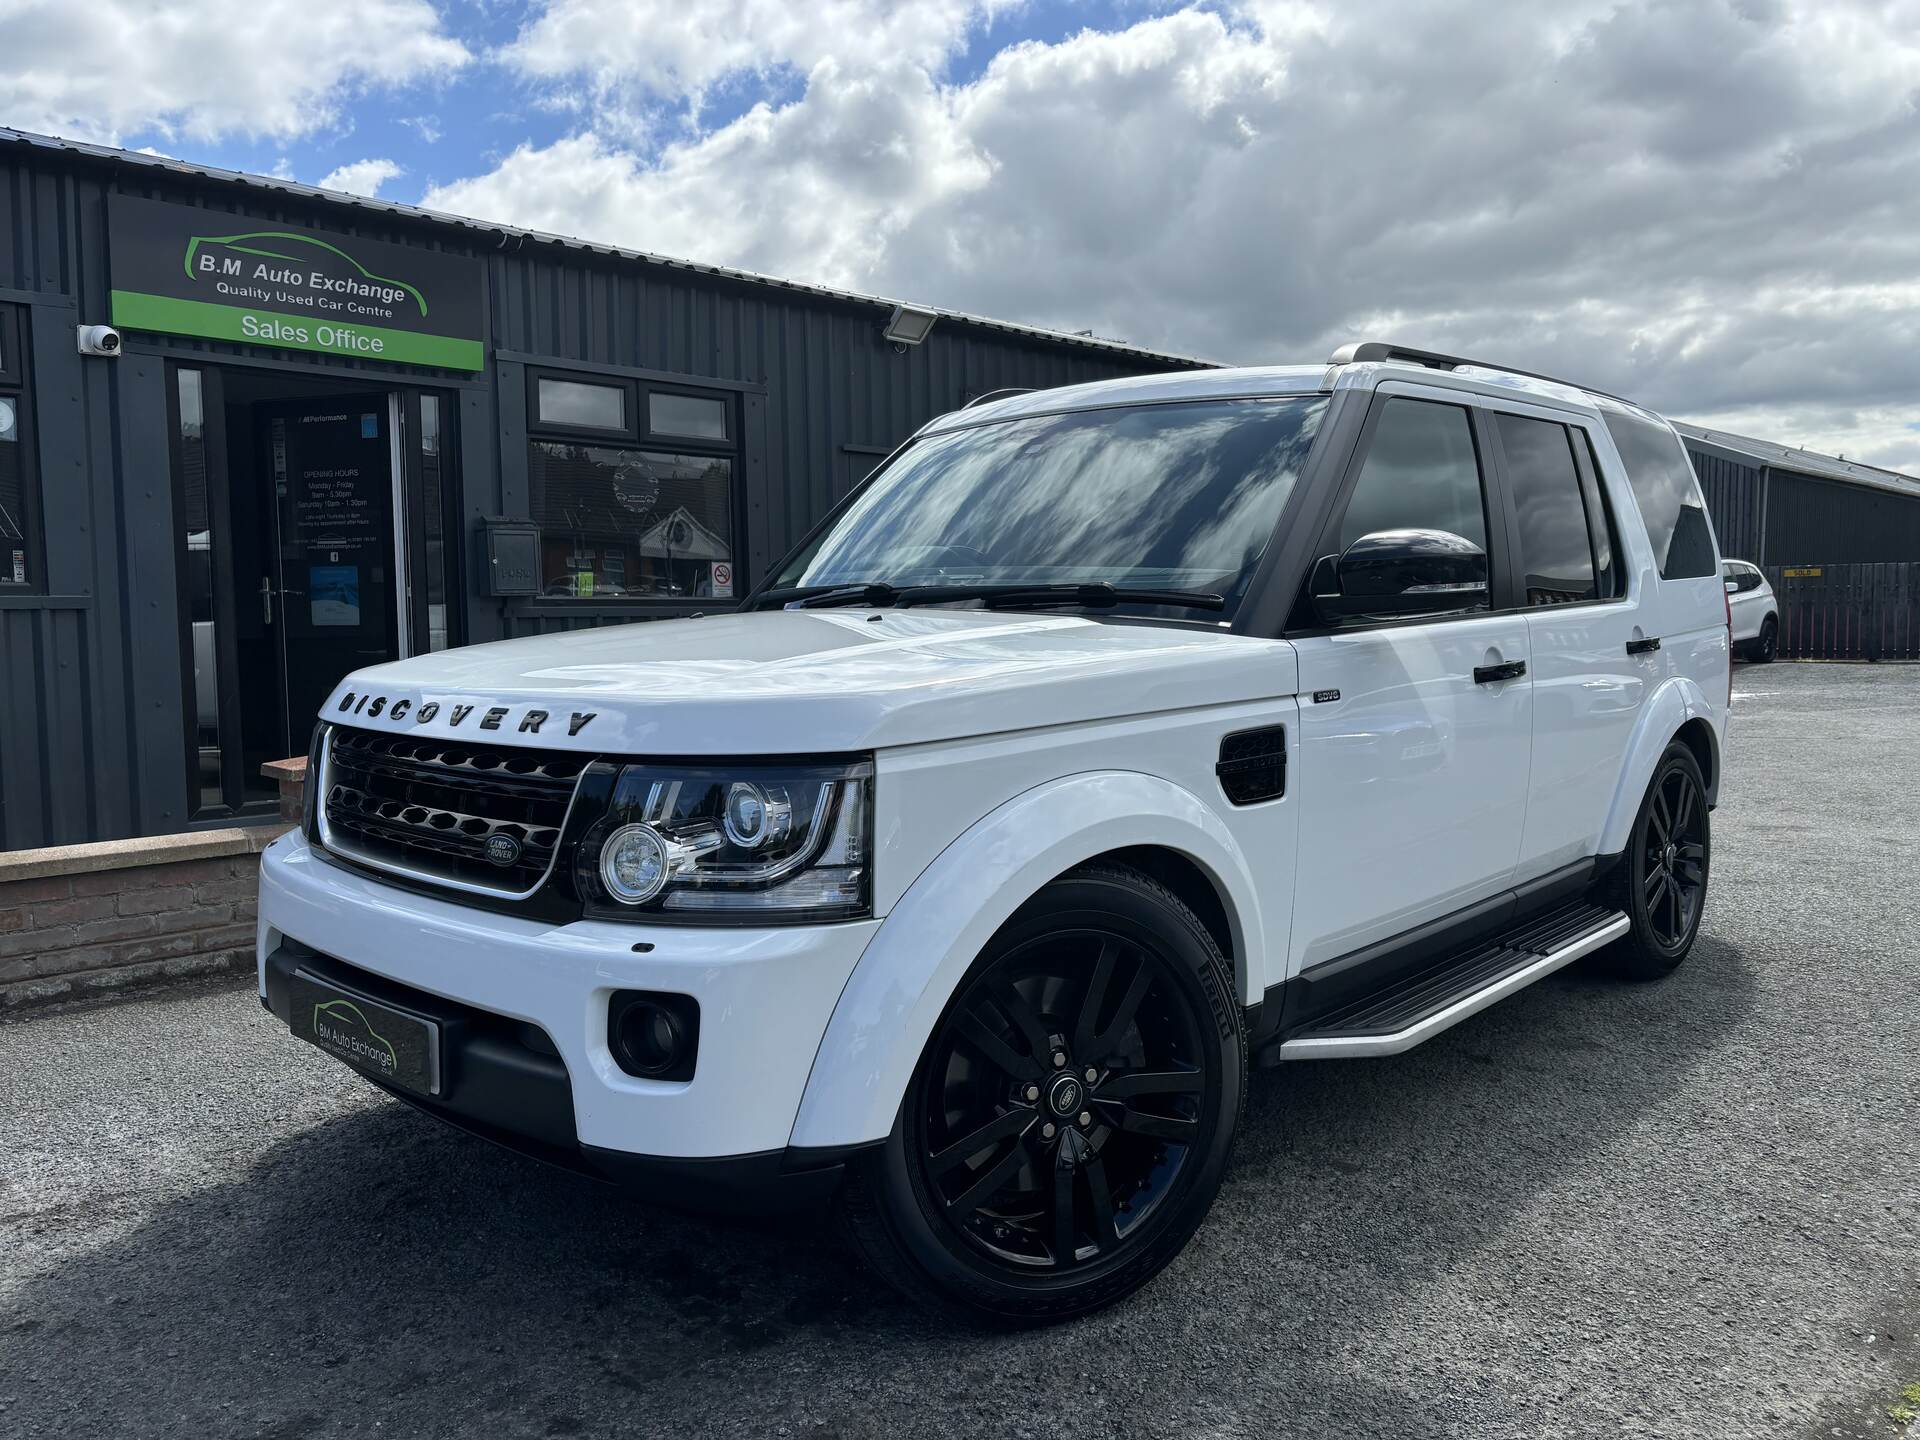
<point x="1357" y="351"/>
<point x="999" y="395"/>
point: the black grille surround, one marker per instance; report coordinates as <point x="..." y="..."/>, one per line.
<point x="428" y="808"/>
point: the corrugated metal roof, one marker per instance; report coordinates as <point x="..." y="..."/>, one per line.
<point x="1803" y="462"/>
<point x="495" y="233"/>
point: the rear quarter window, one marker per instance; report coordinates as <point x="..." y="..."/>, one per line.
<point x="1667" y="494"/>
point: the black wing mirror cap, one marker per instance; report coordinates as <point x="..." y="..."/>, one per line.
<point x="1398" y="573"/>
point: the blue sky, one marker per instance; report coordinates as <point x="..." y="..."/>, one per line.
<point x="446" y="128"/>
<point x="1709" y="205"/>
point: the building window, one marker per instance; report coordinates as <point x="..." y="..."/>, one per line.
<point x="695" y="416"/>
<point x="577" y="405"/>
<point x="19" y="554"/>
<point x="651" y="519"/>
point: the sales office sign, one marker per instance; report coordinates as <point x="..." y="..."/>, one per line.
<point x="188" y="271"/>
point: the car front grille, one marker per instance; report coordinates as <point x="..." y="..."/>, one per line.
<point x="433" y="809"/>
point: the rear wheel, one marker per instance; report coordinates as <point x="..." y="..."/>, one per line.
<point x="1069" y="1121"/>
<point x="1764" y="646"/>
<point x="1662" y="880"/>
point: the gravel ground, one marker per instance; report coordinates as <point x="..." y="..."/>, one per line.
<point x="1685" y="1209"/>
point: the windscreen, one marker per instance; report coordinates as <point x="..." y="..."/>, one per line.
<point x="1170" y="496"/>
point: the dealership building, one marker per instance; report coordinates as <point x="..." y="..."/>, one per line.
<point x="338" y="431"/>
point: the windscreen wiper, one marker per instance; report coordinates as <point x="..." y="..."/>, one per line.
<point x="1096" y="595"/>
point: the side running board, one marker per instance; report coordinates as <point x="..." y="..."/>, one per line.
<point x="1422" y="1005"/>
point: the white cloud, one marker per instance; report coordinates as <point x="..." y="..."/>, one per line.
<point x="361" y="177"/>
<point x="1704" y="203"/>
<point x="100" y="69"/>
<point x="628" y="52"/>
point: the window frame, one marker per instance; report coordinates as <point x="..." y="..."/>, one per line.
<point x="639" y="436"/>
<point x="16" y="377"/>
<point x="554" y="429"/>
<point x="1593" y="491"/>
<point x="1303" y="623"/>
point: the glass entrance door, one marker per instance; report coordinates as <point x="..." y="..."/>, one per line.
<point x="329" y="463"/>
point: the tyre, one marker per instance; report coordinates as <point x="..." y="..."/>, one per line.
<point x="1764" y="646"/>
<point x="1067" y="1126"/>
<point x="1661" y="882"/>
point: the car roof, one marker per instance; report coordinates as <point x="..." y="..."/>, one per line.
<point x="1275" y="381"/>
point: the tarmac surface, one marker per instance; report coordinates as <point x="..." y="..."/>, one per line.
<point x="1683" y="1209"/>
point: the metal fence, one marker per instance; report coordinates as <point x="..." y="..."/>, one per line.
<point x="1848" y="612"/>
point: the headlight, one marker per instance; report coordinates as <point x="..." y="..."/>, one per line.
<point x="742" y="843"/>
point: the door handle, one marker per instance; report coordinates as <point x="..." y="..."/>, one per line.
<point x="1492" y="674"/>
<point x="266" y="599"/>
<point x="1641" y="647"/>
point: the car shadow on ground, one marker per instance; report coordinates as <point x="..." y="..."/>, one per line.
<point x="387" y="1264"/>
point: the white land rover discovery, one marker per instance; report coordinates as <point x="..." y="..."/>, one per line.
<point x="1106" y="741"/>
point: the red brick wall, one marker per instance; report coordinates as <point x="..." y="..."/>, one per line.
<point x="68" y="935"/>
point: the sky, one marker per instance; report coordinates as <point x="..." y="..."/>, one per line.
<point x="1707" y="205"/>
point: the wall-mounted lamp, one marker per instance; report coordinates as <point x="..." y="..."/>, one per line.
<point x="907" y="326"/>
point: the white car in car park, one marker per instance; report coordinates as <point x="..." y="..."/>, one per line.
<point x="1105" y="742"/>
<point x="1754" y="612"/>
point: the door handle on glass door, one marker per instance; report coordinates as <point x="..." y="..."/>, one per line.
<point x="266" y="598"/>
<point x="1492" y="674"/>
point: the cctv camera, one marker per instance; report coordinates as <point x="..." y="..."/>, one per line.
<point x="98" y="339"/>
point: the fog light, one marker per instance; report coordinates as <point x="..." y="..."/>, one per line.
<point x="634" y="864"/>
<point x="652" y="1035"/>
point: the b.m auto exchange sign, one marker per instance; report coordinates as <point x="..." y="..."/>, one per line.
<point x="187" y="271"/>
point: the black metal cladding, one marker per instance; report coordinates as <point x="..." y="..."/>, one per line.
<point x="433" y="806"/>
<point x="96" y="715"/>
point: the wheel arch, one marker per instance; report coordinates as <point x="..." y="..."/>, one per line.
<point x="1677" y="710"/>
<point x="910" y="969"/>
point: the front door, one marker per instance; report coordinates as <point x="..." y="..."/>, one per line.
<point x="1414" y="734"/>
<point x="329" y="465"/>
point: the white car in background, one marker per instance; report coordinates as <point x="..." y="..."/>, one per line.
<point x="1754" y="612"/>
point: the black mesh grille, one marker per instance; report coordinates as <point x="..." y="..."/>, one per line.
<point x="433" y="805"/>
<point x="1253" y="765"/>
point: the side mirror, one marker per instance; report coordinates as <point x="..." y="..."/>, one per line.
<point x="1733" y="587"/>
<point x="1397" y="573"/>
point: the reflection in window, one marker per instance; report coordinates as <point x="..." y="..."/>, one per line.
<point x="1420" y="474"/>
<point x="618" y="522"/>
<point x="691" y="415"/>
<point x="13" y="497"/>
<point x="1668" y="495"/>
<point x="573" y="402"/>
<point x="434" y="509"/>
<point x="1181" y="496"/>
<point x="1555" y="556"/>
<point x="196" y="522"/>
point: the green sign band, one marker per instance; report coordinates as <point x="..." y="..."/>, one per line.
<point x="137" y="311"/>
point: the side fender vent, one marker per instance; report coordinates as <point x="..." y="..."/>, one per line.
<point x="1253" y="765"/>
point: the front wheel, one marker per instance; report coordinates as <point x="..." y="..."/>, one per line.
<point x="1662" y="880"/>
<point x="1067" y="1126"/>
<point x="1764" y="646"/>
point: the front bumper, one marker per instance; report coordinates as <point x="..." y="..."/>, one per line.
<point x="524" y="1006"/>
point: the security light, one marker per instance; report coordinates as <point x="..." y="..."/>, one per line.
<point x="907" y="326"/>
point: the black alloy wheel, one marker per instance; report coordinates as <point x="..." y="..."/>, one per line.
<point x="1662" y="883"/>
<point x="1066" y="1128"/>
<point x="1673" y="862"/>
<point x="1764" y="646"/>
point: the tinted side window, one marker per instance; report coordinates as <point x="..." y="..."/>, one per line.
<point x="1669" y="498"/>
<point x="1420" y="473"/>
<point x="1556" y="554"/>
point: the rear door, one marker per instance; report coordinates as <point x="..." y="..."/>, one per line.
<point x="1592" y="665"/>
<point x="1413" y="772"/>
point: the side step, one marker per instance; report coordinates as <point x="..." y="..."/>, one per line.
<point x="1422" y="1005"/>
